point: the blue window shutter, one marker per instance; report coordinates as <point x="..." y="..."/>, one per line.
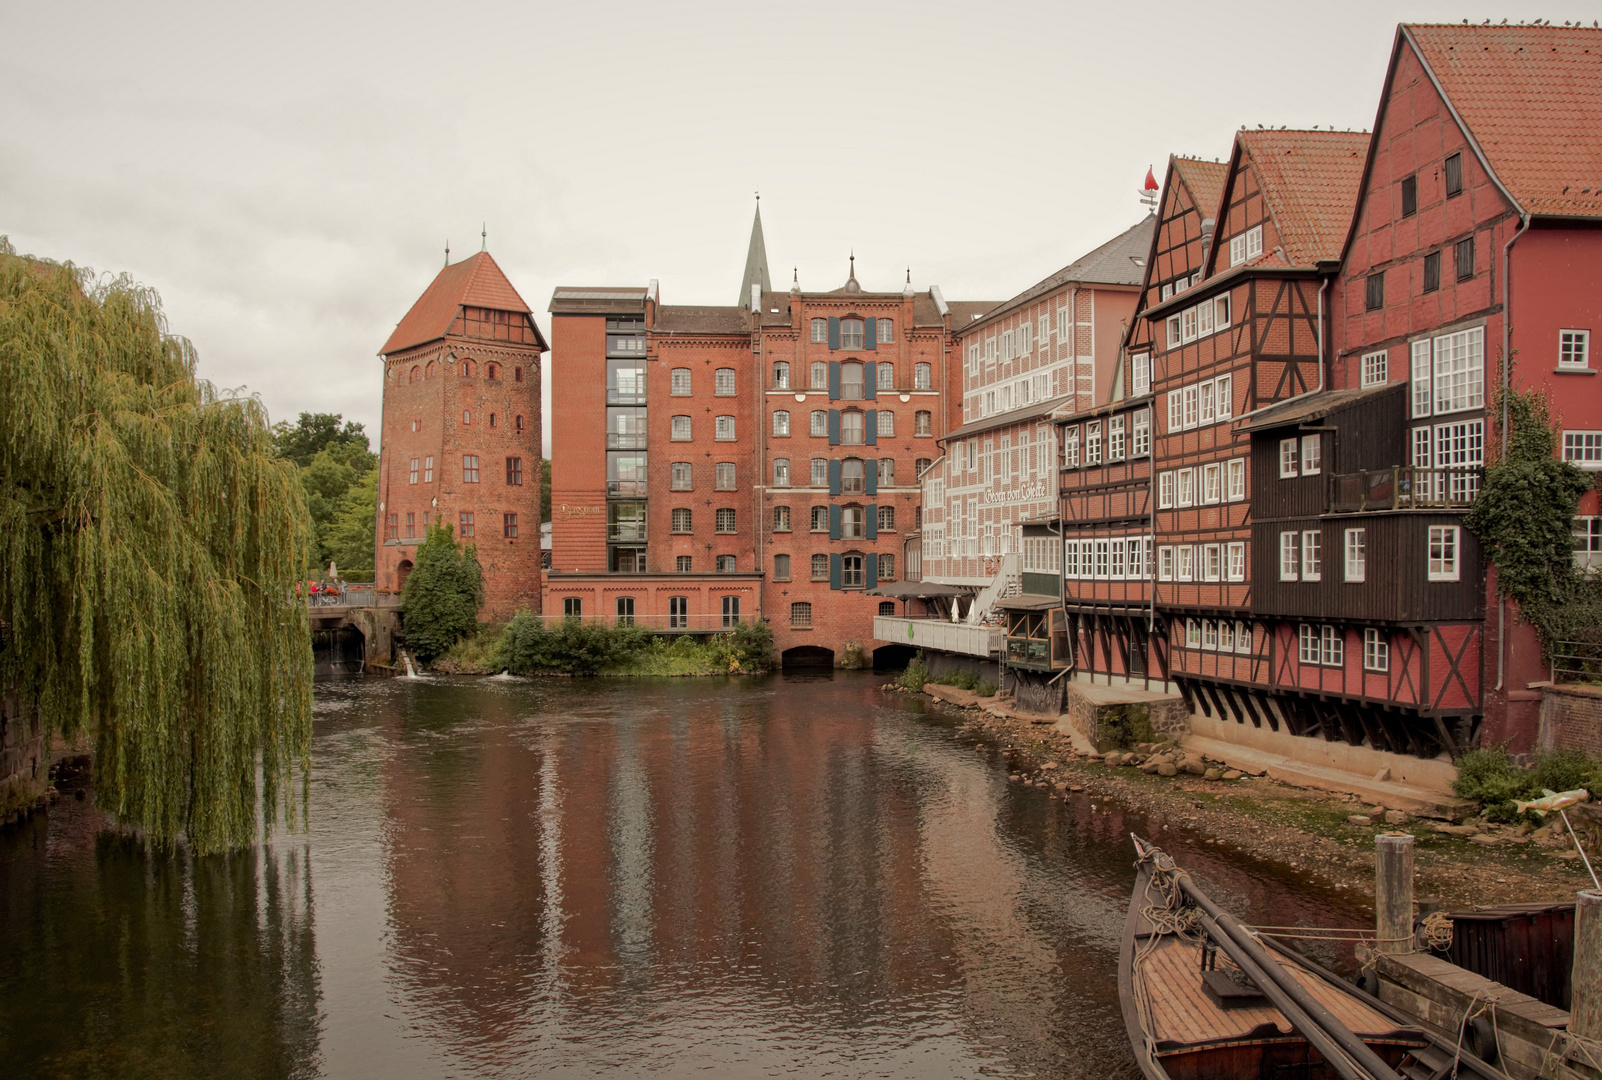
<point x="870" y="569"/>
<point x="872" y="520"/>
<point x="870" y="428"/>
<point x="834" y="426"/>
<point x="834" y="380"/>
<point x="834" y="571"/>
<point x="872" y="335"/>
<point x="870" y="381"/>
<point x="834" y="335"/>
<point x="834" y="477"/>
<point x="834" y="522"/>
<point x="873" y="476"/>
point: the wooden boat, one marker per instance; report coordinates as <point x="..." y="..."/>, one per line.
<point x="1204" y="999"/>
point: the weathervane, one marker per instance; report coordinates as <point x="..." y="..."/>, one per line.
<point x="1148" y="191"/>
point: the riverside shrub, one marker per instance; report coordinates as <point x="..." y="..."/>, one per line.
<point x="442" y="595"/>
<point x="1491" y="778"/>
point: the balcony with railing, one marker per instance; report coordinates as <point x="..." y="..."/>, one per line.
<point x="938" y="633"/>
<point x="625" y="532"/>
<point x="1404" y="487"/>
<point x="656" y="624"/>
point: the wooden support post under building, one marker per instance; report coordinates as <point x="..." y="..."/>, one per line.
<point x="1585" y="1010"/>
<point x="1393" y="893"/>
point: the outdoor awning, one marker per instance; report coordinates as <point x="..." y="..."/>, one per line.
<point x="1028" y="602"/>
<point x="920" y="590"/>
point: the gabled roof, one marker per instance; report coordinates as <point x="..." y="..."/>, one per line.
<point x="1120" y="261"/>
<point x="1305" y="407"/>
<point x="1204" y="179"/>
<point x="1310" y="181"/>
<point x="1530" y="98"/>
<point x="476" y="281"/>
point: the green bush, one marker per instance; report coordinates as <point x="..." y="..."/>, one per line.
<point x="915" y="676"/>
<point x="1491" y="778"/>
<point x="570" y="646"/>
<point x="479" y="653"/>
<point x="985" y="688"/>
<point x="748" y="647"/>
<point x="441" y="599"/>
<point x="963" y="680"/>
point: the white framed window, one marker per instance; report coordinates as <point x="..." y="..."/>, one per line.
<point x="1103" y="558"/>
<point x="1141" y="437"/>
<point x="1376" y="650"/>
<point x="1187" y="487"/>
<point x="1173" y="331"/>
<point x="1212" y="562"/>
<point x="723" y="382"/>
<point x="1254" y="241"/>
<point x="1119" y="550"/>
<point x="1236" y="472"/>
<point x="1235" y="561"/>
<point x="1207" y="402"/>
<point x="886" y="330"/>
<point x="1093" y="442"/>
<point x="1422" y="395"/>
<point x="1588" y="542"/>
<point x="681" y="382"/>
<point x="1460" y="445"/>
<point x="1224" y="393"/>
<point x="922" y="376"/>
<point x="1176" y="410"/>
<point x="818" y="422"/>
<point x="1312" y="555"/>
<point x="1333" y="646"/>
<point x="1459" y="371"/>
<point x="1165" y="491"/>
<point x="1287" y="459"/>
<point x="1140" y="373"/>
<point x="1210" y="634"/>
<point x="1444" y="562"/>
<point x="1187" y="325"/>
<point x="1376" y="368"/>
<point x="1422" y="443"/>
<point x="1307" y="644"/>
<point x="1574" y="350"/>
<point x="1237" y="250"/>
<point x="723" y="429"/>
<point x="1192" y="394"/>
<point x="781" y="472"/>
<point x="681" y="429"/>
<point x="1115" y="438"/>
<point x="1165" y="563"/>
<point x="781" y="422"/>
<point x="1185" y="562"/>
<point x="1243" y="636"/>
<point x="1193" y="636"/>
<point x="1212" y="483"/>
<point x="1204" y="318"/>
<point x="1220" y="312"/>
<point x="1290" y="556"/>
<point x="820" y="330"/>
<point x="1356" y="555"/>
<point x="1070" y="448"/>
<point x="887" y="424"/>
<point x="1584" y="448"/>
<point x="1026" y="336"/>
<point x="1312" y="454"/>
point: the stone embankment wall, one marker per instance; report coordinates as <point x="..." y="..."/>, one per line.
<point x="1571" y="718"/>
<point x="24" y="766"/>
<point x="1112" y="724"/>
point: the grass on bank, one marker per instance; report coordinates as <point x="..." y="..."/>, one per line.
<point x="917" y="674"/>
<point x="527" y="645"/>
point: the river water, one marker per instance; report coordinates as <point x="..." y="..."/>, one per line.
<point x="786" y="876"/>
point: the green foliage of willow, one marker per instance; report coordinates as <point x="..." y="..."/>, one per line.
<point x="442" y="595"/>
<point x="149" y="542"/>
<point x="1524" y="518"/>
<point x="349" y="539"/>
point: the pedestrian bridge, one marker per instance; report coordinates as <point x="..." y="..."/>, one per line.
<point x="938" y="633"/>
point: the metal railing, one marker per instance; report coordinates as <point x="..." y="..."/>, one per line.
<point x="1404" y="487"/>
<point x="353" y="594"/>
<point x="1576" y="661"/>
<point x="626" y="532"/>
<point x="939" y="634"/>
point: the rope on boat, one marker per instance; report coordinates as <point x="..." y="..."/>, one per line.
<point x="1434" y="932"/>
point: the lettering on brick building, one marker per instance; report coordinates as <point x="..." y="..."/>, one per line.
<point x="1030" y="492"/>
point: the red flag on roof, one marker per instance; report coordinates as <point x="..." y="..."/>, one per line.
<point x="1151" y="180"/>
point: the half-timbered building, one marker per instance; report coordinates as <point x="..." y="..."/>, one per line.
<point x="1474" y="262"/>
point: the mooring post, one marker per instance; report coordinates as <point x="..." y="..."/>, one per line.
<point x="1393" y="893"/>
<point x="1585" y="1009"/>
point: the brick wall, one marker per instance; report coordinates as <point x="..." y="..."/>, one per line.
<point x="1571" y="719"/>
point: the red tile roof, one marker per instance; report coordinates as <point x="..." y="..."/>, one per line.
<point x="1205" y="179"/>
<point x="1531" y="97"/>
<point x="475" y="281"/>
<point x="1309" y="180"/>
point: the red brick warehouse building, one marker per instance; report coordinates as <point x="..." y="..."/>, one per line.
<point x="714" y="464"/>
<point x="460" y="437"/>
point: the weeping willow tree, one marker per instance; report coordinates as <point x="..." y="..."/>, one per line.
<point x="149" y="546"/>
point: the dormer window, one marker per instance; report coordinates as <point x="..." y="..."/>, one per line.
<point x="852" y="333"/>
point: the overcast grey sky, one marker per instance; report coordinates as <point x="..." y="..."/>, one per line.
<point x="286" y="175"/>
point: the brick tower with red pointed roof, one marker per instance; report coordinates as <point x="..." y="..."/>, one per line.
<point x="461" y="438"/>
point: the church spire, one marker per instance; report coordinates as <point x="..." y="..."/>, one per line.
<point x="756" y="261"/>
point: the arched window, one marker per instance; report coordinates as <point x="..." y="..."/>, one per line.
<point x="851" y="381"/>
<point x="723" y="382"/>
<point x="820" y="330"/>
<point x="851" y="333"/>
<point x="820" y="376"/>
<point x="853" y="522"/>
<point x="887" y="330"/>
<point x="781" y="422"/>
<point x="887" y="607"/>
<point x="923" y="423"/>
<point x="467" y="369"/>
<point x="818" y="422"/>
<point x="467" y="416"/>
<point x="885" y="378"/>
<point x="853" y="477"/>
<point x="492" y="419"/>
<point x="887" y="424"/>
<point x="781" y="375"/>
<point x="429" y="372"/>
<point x="517" y="374"/>
<point x="853" y="428"/>
<point x="851" y="570"/>
<point x="820" y="519"/>
<point x="520" y="423"/>
<point x="417" y="373"/>
<point x="492" y="371"/>
<point x="920" y="376"/>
